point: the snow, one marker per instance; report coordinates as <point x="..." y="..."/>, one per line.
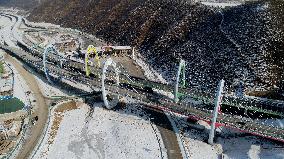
<point x="273" y="122"/>
<point x="31" y="39"/>
<point x="5" y="32"/>
<point x="193" y="141"/>
<point x="222" y="5"/>
<point x="128" y="133"/>
<point x="250" y="147"/>
<point x="10" y="32"/>
<point x="102" y="133"/>
<point x="44" y="25"/>
<point x="47" y="90"/>
<point x="229" y="144"/>
<point x="21" y="87"/>
<point x="149" y="72"/>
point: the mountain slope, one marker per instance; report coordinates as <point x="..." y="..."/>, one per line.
<point x="246" y="45"/>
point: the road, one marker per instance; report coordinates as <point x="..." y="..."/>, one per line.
<point x="41" y="111"/>
<point x="7" y="33"/>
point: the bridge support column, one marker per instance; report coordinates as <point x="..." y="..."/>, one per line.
<point x="218" y="101"/>
<point x="181" y="71"/>
<point x="133" y="52"/>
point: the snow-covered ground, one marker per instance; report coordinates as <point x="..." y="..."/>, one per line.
<point x="127" y="133"/>
<point x="149" y="72"/>
<point x="3" y="22"/>
<point x="250" y="147"/>
<point x="229" y="144"/>
<point x="221" y="5"/>
<point x="21" y="88"/>
<point x="6" y="30"/>
<point x="193" y="139"/>
<point x="47" y="90"/>
<point x="44" y="25"/>
<point x="100" y="133"/>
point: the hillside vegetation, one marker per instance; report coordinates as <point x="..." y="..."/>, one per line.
<point x="248" y="45"/>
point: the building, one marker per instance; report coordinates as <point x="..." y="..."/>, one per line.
<point x="116" y="49"/>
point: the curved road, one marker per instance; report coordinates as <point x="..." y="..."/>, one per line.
<point x="41" y="111"/>
<point x="8" y="32"/>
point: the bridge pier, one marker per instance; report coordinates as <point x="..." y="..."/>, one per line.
<point x="180" y="72"/>
<point x="218" y="101"/>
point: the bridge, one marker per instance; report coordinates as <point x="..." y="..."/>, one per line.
<point x="245" y="114"/>
<point x="59" y="69"/>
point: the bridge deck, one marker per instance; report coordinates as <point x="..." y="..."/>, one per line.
<point x="156" y="101"/>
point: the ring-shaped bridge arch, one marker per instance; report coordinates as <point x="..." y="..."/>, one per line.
<point x="110" y="102"/>
<point x="91" y="50"/>
<point x="56" y="58"/>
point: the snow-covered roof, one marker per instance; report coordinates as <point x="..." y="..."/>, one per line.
<point x="101" y="48"/>
<point x="121" y="47"/>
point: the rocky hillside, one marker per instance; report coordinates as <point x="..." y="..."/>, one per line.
<point x="243" y="43"/>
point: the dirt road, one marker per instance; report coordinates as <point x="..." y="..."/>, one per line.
<point x="158" y="118"/>
<point x="42" y="111"/>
